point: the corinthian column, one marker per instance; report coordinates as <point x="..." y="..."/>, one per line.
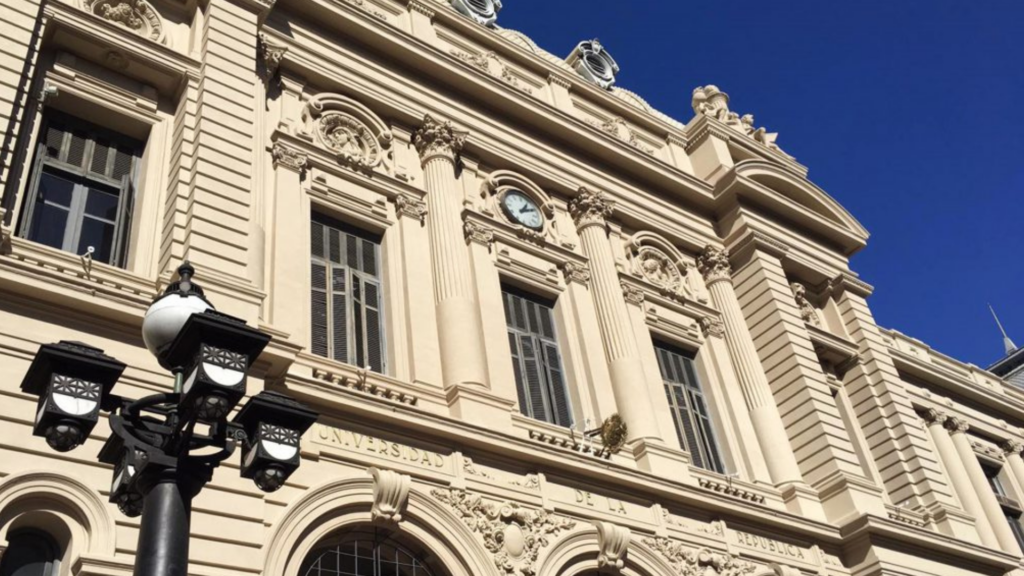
<point x="463" y="360"/>
<point x="764" y="414"/>
<point x="590" y="210"/>
<point x="958" y="475"/>
<point x="990" y="506"/>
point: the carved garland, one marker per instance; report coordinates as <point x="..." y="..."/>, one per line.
<point x="700" y="562"/>
<point x="514" y="534"/>
<point x="135" y="15"/>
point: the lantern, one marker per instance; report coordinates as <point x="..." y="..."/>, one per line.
<point x="274" y="425"/>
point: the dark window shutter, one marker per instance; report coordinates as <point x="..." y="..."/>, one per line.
<point x="559" y="397"/>
<point x="517" y="367"/>
<point x="689" y="409"/>
<point x="318" y="296"/>
<point x="532" y="372"/>
<point x="339" y="314"/>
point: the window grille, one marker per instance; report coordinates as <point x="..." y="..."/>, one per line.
<point x="81" y="193"/>
<point x="346" y="298"/>
<point x="689" y="409"/>
<point x="540" y="380"/>
<point x="365" y="556"/>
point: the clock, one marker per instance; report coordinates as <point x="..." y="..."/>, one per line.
<point x="521" y="209"/>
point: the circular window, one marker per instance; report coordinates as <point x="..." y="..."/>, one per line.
<point x="596" y="63"/>
<point x="366" y="554"/>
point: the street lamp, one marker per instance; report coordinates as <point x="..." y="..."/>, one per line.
<point x="160" y="459"/>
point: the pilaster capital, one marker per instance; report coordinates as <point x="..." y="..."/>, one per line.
<point x="632" y="294"/>
<point x="1012" y="447"/>
<point x="712" y="326"/>
<point x="957" y="425"/>
<point x="270" y="55"/>
<point x="477" y="232"/>
<point x="438" y="139"/>
<point x="713" y="264"/>
<point x="287" y="157"/>
<point x="933" y="416"/>
<point x="574" y="272"/>
<point x="590" y="208"/>
<point x="409" y="205"/>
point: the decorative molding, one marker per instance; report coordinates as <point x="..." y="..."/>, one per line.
<point x="116" y="60"/>
<point x="135" y="15"/>
<point x="483" y="62"/>
<point x="933" y="416"/>
<point x="270" y="55"/>
<point x="390" y="495"/>
<point x="714" y="528"/>
<point x="574" y="272"/>
<point x="288" y="157"/>
<point x="356" y="136"/>
<point x="612" y="544"/>
<point x="991" y="452"/>
<point x="477" y="232"/>
<point x="1009" y="447"/>
<point x="360" y="384"/>
<point x="591" y="208"/>
<point x="434" y="138"/>
<point x="728" y="489"/>
<point x="713" y="264"/>
<point x="407" y="204"/>
<point x="529" y="481"/>
<point x="570" y="444"/>
<point x="845" y="281"/>
<point x="710" y="101"/>
<point x="712" y="326"/>
<point x="514" y="534"/>
<point x="699" y="562"/>
<point x="702" y="134"/>
<point x="808" y="313"/>
<point x="363" y="5"/>
<point x="419" y="6"/>
<point x="632" y="294"/>
<point x="617" y="128"/>
<point x="957" y="425"/>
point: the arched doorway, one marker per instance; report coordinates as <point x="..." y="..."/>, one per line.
<point x="369" y="552"/>
<point x="30" y="553"/>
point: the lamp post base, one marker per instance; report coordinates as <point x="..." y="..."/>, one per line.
<point x="166" y="516"/>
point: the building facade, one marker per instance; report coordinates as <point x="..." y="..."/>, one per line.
<point x="477" y="260"/>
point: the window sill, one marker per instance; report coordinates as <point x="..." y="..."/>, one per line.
<point x="364" y="382"/>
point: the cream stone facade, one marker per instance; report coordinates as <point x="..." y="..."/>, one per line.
<point x="687" y="278"/>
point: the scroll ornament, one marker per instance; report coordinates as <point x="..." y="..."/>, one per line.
<point x="612" y="542"/>
<point x="699" y="562"/>
<point x="390" y="495"/>
<point x="514" y="534"/>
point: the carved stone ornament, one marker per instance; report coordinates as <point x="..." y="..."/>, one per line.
<point x="390" y="495"/>
<point x="514" y="534"/>
<point x="933" y="416"/>
<point x="476" y="232"/>
<point x="135" y="15"/>
<point x="617" y="128"/>
<point x="270" y="55"/>
<point x="594" y="63"/>
<point x="289" y="157"/>
<point x="483" y="12"/>
<point x="435" y="138"/>
<point x="710" y="101"/>
<point x="712" y="326"/>
<point x="657" y="268"/>
<point x="957" y="425"/>
<point x="356" y="136"/>
<point x="699" y="562"/>
<point x="490" y="64"/>
<point x="713" y="264"/>
<point x="612" y="544"/>
<point x="590" y="208"/>
<point x="576" y="272"/>
<point x="1012" y="447"/>
<point x="632" y="294"/>
<point x="411" y="206"/>
<point x="808" y="312"/>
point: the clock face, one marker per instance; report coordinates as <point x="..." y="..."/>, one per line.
<point x="522" y="210"/>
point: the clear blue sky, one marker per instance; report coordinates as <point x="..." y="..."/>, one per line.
<point x="908" y="112"/>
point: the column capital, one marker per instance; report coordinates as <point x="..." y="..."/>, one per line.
<point x="1011" y="447"/>
<point x="713" y="264"/>
<point x="409" y="205"/>
<point x="435" y="138"/>
<point x="574" y="272"/>
<point x="712" y="326"/>
<point x="933" y="416"/>
<point x="632" y="294"/>
<point x="957" y="425"/>
<point x="477" y="232"/>
<point x="287" y="157"/>
<point x="590" y="208"/>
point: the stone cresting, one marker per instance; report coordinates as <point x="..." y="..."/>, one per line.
<point x="699" y="562"/>
<point x="710" y="101"/>
<point x="514" y="534"/>
<point x="390" y="495"/>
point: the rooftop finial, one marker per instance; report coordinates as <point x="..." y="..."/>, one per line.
<point x="1007" y="343"/>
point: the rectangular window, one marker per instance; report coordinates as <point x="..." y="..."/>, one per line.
<point x="535" y="358"/>
<point x="82" y="189"/>
<point x="689" y="408"/>
<point x="1011" y="508"/>
<point x="347" y="306"/>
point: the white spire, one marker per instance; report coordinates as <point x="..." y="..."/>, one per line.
<point x="1007" y="343"/>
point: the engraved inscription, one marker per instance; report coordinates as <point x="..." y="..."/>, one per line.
<point x="378" y="447"/>
<point x="769" y="545"/>
<point x="613" y="505"/>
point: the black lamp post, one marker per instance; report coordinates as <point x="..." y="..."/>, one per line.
<point x="160" y="460"/>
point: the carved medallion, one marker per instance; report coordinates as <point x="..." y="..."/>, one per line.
<point x="656" y="267"/>
<point x="135" y="15"/>
<point x="349" y="138"/>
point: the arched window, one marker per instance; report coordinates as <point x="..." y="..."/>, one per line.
<point x="366" y="553"/>
<point x="30" y="553"/>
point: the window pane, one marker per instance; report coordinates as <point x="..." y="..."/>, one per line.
<point x="102" y="204"/>
<point x="689" y="409"/>
<point x="55" y="190"/>
<point x="100" y="236"/>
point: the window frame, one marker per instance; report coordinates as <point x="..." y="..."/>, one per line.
<point x="710" y="451"/>
<point x="83" y="181"/>
<point x="541" y="344"/>
<point x="352" y="275"/>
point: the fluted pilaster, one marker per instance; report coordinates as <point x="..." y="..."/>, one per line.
<point x="771" y="434"/>
<point x="463" y="358"/>
<point x="590" y="210"/>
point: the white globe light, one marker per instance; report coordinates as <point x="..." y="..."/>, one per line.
<point x="166" y="317"/>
